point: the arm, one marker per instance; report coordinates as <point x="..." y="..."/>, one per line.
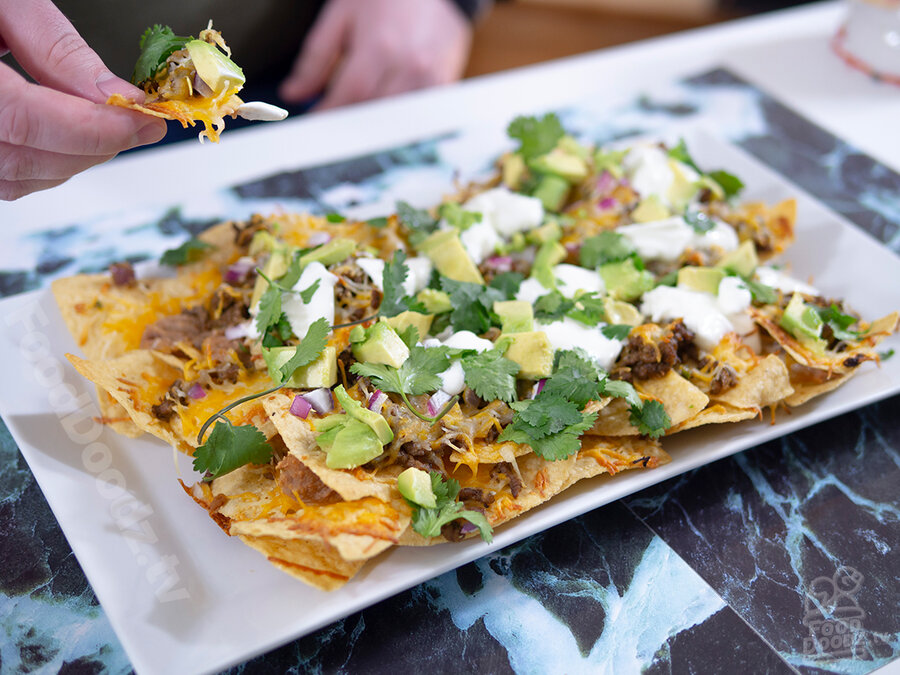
<point x="363" y="49"/>
<point x="58" y="126"/>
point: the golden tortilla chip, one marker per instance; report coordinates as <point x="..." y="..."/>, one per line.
<point x="210" y="111"/>
<point x="804" y="391"/>
<point x="312" y="562"/>
<point x="716" y="413"/>
<point x="766" y="384"/>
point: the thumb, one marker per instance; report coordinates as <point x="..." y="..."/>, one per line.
<point x="49" y="48"/>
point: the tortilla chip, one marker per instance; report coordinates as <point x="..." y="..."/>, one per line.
<point x="681" y="400"/>
<point x="209" y="111"/>
<point x="115" y="416"/>
<point x="766" y="384"/>
<point x="717" y="413"/>
<point x="803" y="392"/>
<point x="311" y="562"/>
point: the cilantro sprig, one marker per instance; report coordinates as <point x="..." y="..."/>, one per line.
<point x="418" y="221"/>
<point x="731" y="185"/>
<point x="429" y="521"/>
<point x="491" y="375"/>
<point x="472" y="305"/>
<point x="604" y="248"/>
<point x="839" y="322"/>
<point x="395" y="299"/>
<point x="230" y="447"/>
<point x="190" y="251"/>
<point x="536" y="135"/>
<point x="157" y="44"/>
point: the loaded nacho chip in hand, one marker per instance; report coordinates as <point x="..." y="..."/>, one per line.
<point x="192" y="80"/>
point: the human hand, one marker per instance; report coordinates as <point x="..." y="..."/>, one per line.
<point x="362" y="49"/>
<point x="51" y="130"/>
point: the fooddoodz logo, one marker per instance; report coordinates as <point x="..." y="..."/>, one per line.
<point x="834" y="617"/>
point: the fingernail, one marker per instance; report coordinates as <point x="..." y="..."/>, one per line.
<point x="109" y="84"/>
<point x="150" y="133"/>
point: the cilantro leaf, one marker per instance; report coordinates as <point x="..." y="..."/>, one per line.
<point x="761" y="293"/>
<point x="536" y="135"/>
<point x="651" y="419"/>
<point x="269" y="311"/>
<point x="409" y="335"/>
<point x="190" y="251"/>
<point x="681" y="153"/>
<point x="885" y="355"/>
<point x="278" y="334"/>
<point x="547" y="414"/>
<point x="292" y="275"/>
<point x="472" y="304"/>
<point x="617" y="331"/>
<point x="429" y="521"/>
<point x="576" y="378"/>
<point x="491" y="375"/>
<point x="589" y="309"/>
<point x="698" y="220"/>
<point x="157" y="44"/>
<point x="730" y="183"/>
<point x="309" y="349"/>
<point x="622" y="389"/>
<point x="231" y="447"/>
<point x="418" y="374"/>
<point x="454" y="214"/>
<point x="603" y="248"/>
<point x="507" y="283"/>
<point x="395" y="299"/>
<point x="335" y="218"/>
<point x="566" y="442"/>
<point x="839" y="322"/>
<point x="552" y="306"/>
<point x="307" y="294"/>
<point x="377" y="222"/>
<point x="418" y="221"/>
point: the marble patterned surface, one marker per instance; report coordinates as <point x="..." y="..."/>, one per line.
<point x="781" y="559"/>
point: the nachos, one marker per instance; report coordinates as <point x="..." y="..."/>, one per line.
<point x="345" y="386"/>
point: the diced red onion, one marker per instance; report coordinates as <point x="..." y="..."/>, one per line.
<point x="606" y="183"/>
<point x="376" y="400"/>
<point x="196" y="391"/>
<point x="238" y="271"/>
<point x="300" y="407"/>
<point x="608" y="203"/>
<point x="437" y="402"/>
<point x="122" y="273"/>
<point x="467" y="528"/>
<point x="318" y="238"/>
<point x="502" y="263"/>
<point x="538" y="388"/>
<point x="320" y="400"/>
<point x="573" y="247"/>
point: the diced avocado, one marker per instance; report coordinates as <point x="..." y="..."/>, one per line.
<point x="275" y="267"/>
<point x="742" y="260"/>
<point x="683" y="187"/>
<point x="549" y="254"/>
<point x="450" y="257"/>
<point x="263" y="241"/>
<point x="532" y="351"/>
<point x="703" y="279"/>
<point x="568" y="144"/>
<point x="547" y="232"/>
<point x="558" y="162"/>
<point x="618" y="312"/>
<point x="403" y="320"/>
<point x="371" y="418"/>
<point x="650" y="209"/>
<point x="552" y="191"/>
<point x="350" y="444"/>
<point x="513" y="170"/>
<point x="610" y="161"/>
<point x="335" y="251"/>
<point x="624" y="281"/>
<point x="320" y="373"/>
<point x="804" y="323"/>
<point x="329" y="422"/>
<point x="415" y="485"/>
<point x="436" y="302"/>
<point x="516" y="316"/>
<point x="379" y="344"/>
<point x="216" y="70"/>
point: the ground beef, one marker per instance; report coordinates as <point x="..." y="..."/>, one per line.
<point x="164" y="410"/>
<point x="176" y="394"/>
<point x="506" y="469"/>
<point x="724" y="379"/>
<point x="165" y="333"/>
<point x="243" y="232"/>
<point x="224" y="372"/>
<point x="453" y="531"/>
<point x="468" y="494"/>
<point x="297" y="481"/>
<point x="122" y="274"/>
<point x="648" y="359"/>
<point x="419" y="454"/>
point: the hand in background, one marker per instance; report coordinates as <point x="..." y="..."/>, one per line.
<point x="363" y="49"/>
<point x="51" y="130"/>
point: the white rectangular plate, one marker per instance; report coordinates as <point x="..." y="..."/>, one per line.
<point x="185" y="598"/>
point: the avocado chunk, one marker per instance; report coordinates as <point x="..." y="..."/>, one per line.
<point x="347" y="442"/>
<point x="371" y="418"/>
<point x="516" y="316"/>
<point x="404" y="320"/>
<point x="415" y="485"/>
<point x="804" y="323"/>
<point x="610" y="161"/>
<point x="703" y="279"/>
<point x="263" y="241"/>
<point x="320" y="373"/>
<point x="547" y="232"/>
<point x="378" y="344"/>
<point x="275" y="267"/>
<point x="450" y="257"/>
<point x="709" y="183"/>
<point x="618" y="312"/>
<point x="571" y="146"/>
<point x="436" y="302"/>
<point x="650" y="209"/>
<point x="549" y="254"/>
<point x="532" y="351"/>
<point x="335" y="251"/>
<point x="216" y="70"/>
<point x="624" y="281"/>
<point x="513" y="170"/>
<point x="683" y="187"/>
<point x="552" y="191"/>
<point x="558" y="162"/>
<point x="742" y="260"/>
